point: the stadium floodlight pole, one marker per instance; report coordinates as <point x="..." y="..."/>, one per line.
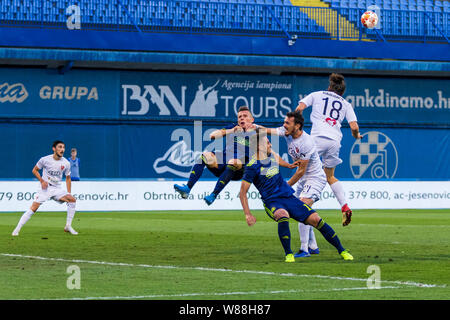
<point x="437" y="27"/>
<point x="293" y="38"/>
<point x="129" y="16"/>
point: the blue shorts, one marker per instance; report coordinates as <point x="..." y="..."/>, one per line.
<point x="297" y="209"/>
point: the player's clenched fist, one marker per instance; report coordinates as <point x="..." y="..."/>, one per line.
<point x="251" y="220"/>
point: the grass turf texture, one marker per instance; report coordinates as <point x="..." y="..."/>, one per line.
<point x="201" y="255"/>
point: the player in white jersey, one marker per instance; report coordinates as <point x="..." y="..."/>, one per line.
<point x="53" y="167"/>
<point x="309" y="177"/>
<point x="329" y="109"/>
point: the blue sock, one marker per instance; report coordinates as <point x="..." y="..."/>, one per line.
<point x="329" y="234"/>
<point x="196" y="173"/>
<point x="224" y="178"/>
<point x="284" y="233"/>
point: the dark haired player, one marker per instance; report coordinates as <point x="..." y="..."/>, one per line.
<point x="309" y="178"/>
<point x="53" y="167"/>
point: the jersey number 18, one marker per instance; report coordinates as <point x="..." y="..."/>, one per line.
<point x="336" y="106"/>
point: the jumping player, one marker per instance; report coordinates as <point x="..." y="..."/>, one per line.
<point x="53" y="167"/>
<point x="227" y="165"/>
<point x="329" y="109"/>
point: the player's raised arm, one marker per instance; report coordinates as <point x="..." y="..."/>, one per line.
<point x="283" y="163"/>
<point x="355" y="129"/>
<point x="302" y="165"/>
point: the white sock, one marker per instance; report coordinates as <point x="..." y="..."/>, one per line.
<point x="339" y="192"/>
<point x="312" y="239"/>
<point x="25" y="217"/>
<point x="70" y="213"/>
<point x="303" y="229"/>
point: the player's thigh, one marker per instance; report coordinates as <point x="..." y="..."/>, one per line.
<point x="60" y="195"/>
<point x="43" y="195"/>
<point x="67" y="198"/>
<point x="298" y="210"/>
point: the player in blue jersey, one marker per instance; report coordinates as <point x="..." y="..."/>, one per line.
<point x="279" y="200"/>
<point x="227" y="165"/>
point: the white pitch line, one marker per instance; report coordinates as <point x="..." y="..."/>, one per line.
<point x="184" y="295"/>
<point x="269" y="273"/>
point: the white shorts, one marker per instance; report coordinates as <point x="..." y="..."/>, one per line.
<point x="328" y="151"/>
<point x="51" y="193"/>
<point x="311" y="187"/>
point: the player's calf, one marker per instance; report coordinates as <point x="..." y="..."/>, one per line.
<point x="284" y="233"/>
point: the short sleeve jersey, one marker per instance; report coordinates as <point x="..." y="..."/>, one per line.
<point x="53" y="170"/>
<point x="303" y="148"/>
<point x="328" y="111"/>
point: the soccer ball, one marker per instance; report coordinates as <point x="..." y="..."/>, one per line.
<point x="369" y="19"/>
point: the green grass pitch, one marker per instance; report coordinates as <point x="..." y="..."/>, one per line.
<point x="210" y="255"/>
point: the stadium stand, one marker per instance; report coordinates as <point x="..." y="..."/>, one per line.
<point x="415" y="20"/>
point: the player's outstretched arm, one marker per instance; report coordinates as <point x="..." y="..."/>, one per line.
<point x="355" y="129"/>
<point x="223" y="132"/>
<point x="251" y="220"/>
<point x="268" y="131"/>
<point x="36" y="173"/>
<point x="301" y="106"/>
<point x="302" y="164"/>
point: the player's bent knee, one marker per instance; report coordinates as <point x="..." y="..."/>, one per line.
<point x="280" y="213"/>
<point x="35" y="206"/>
<point x="236" y="163"/>
<point x="313" y="220"/>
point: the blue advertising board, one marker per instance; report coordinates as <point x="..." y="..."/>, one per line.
<point x="388" y="99"/>
<point x="44" y="93"/>
<point x="169" y="151"/>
